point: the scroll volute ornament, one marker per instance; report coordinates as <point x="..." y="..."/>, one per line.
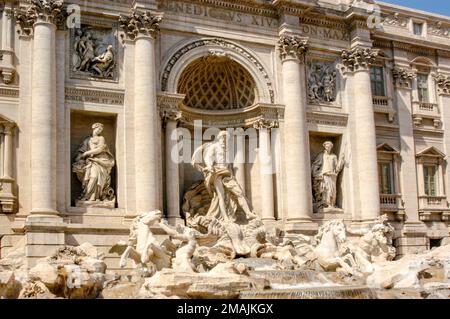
<point x="144" y="23"/>
<point x="358" y="58"/>
<point x="293" y="47"/>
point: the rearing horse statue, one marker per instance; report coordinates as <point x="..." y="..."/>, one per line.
<point x="331" y="252"/>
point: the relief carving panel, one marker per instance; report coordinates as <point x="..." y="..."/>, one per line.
<point x="93" y="53"/>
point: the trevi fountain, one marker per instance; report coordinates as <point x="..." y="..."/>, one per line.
<point x="233" y="149"/>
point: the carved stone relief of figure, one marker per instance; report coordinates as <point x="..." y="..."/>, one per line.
<point x="321" y="82"/>
<point x="325" y="170"/>
<point x="93" y="53"/>
<point x="93" y="165"/>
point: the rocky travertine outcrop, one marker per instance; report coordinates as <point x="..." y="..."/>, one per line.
<point x="225" y="282"/>
<point x="71" y="272"/>
<point x="414" y="271"/>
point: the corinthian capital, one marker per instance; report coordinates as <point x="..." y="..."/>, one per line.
<point x="402" y="77"/>
<point x="358" y="58"/>
<point x="40" y="11"/>
<point x="144" y="23"/>
<point x="265" y="124"/>
<point x="442" y="83"/>
<point x="293" y="47"/>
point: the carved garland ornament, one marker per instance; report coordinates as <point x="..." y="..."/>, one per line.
<point x="358" y="58"/>
<point x="223" y="44"/>
<point x="293" y="47"/>
<point x="144" y="23"/>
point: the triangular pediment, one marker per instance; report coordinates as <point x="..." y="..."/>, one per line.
<point x="386" y="148"/>
<point x="431" y="152"/>
<point x="4" y="119"/>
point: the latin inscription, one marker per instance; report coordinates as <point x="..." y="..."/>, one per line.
<point x="219" y="14"/>
<point x="324" y="33"/>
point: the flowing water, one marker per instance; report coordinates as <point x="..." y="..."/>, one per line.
<point x="305" y="284"/>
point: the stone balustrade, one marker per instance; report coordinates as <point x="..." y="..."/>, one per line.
<point x="383" y="104"/>
<point x="426" y="110"/>
<point x="433" y="204"/>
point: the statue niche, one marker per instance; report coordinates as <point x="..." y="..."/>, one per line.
<point x="93" y="53"/>
<point x="92" y="166"/>
<point x="325" y="170"/>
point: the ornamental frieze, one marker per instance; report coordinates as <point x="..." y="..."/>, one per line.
<point x="439" y="29"/>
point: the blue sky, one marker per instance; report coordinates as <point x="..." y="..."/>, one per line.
<point x="437" y="6"/>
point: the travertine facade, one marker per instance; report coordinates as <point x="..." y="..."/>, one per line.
<point x="283" y="76"/>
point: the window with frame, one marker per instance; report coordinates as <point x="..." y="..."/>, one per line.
<point x="422" y="87"/>
<point x="418" y="28"/>
<point x="430" y="179"/>
<point x="377" y="81"/>
<point x="386" y="178"/>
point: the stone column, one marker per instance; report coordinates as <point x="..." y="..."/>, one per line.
<point x="443" y="91"/>
<point x="403" y="84"/>
<point x="8" y="154"/>
<point x="239" y="159"/>
<point x="7" y="62"/>
<point x="143" y="27"/>
<point x="266" y="169"/>
<point x="297" y="158"/>
<point x="43" y="96"/>
<point x="358" y="61"/>
<point x="170" y="118"/>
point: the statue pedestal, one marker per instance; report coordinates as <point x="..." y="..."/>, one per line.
<point x="96" y="203"/>
<point x="329" y="213"/>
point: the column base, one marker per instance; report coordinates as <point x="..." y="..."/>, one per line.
<point x="43" y="235"/>
<point x="412" y="239"/>
<point x="44" y="211"/>
<point x="304" y="227"/>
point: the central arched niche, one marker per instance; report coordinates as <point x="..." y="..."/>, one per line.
<point x="217" y="83"/>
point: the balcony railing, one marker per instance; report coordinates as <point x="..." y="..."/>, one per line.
<point x="382" y="104"/>
<point x="391" y="202"/>
<point x="433" y="203"/>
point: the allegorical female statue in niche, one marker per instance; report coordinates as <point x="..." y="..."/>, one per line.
<point x="325" y="170"/>
<point x="93" y="165"/>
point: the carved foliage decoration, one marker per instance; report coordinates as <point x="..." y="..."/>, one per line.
<point x="138" y="22"/>
<point x="442" y="83"/>
<point x="93" y="52"/>
<point x="402" y="77"/>
<point x="292" y="47"/>
<point x="321" y="82"/>
<point x="357" y="58"/>
<point x="40" y="10"/>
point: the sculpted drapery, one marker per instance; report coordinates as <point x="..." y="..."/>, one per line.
<point x="93" y="165"/>
<point x="325" y="170"/>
